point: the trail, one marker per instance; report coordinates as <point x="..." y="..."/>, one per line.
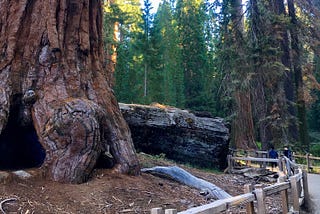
<point x="314" y="190"/>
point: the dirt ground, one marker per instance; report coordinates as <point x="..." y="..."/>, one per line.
<point x="113" y="193"/>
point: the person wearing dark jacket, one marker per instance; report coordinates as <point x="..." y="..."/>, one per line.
<point x="274" y="155"/>
<point x="287" y="153"/>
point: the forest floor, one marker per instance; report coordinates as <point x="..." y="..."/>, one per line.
<point x="112" y="193"/>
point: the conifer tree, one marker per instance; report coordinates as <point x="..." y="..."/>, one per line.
<point x="190" y="17"/>
<point x="297" y="68"/>
<point x="128" y="82"/>
<point x="166" y="58"/>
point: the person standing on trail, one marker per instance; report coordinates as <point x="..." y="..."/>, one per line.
<point x="274" y="155"/>
<point x="287" y="153"/>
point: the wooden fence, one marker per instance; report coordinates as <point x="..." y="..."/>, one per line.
<point x="291" y="183"/>
<point x="309" y="158"/>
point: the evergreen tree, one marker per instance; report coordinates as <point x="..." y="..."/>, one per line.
<point x="164" y="38"/>
<point x="297" y="67"/>
<point x="313" y="113"/>
<point x="190" y="17"/>
<point x="273" y="94"/>
<point x="128" y="85"/>
<point x="146" y="51"/>
<point x="235" y="65"/>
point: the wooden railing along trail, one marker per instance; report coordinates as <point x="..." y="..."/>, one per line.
<point x="293" y="182"/>
<point x="309" y="158"/>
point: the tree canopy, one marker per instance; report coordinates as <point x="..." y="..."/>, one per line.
<point x="254" y="62"/>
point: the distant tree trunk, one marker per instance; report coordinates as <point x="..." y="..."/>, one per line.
<point x="296" y="55"/>
<point x="111" y="53"/>
<point x="259" y="97"/>
<point x="242" y="126"/>
<point x="288" y="77"/>
<point x="274" y="88"/>
<point x="52" y="69"/>
<point x="261" y="110"/>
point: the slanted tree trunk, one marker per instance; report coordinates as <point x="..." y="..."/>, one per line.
<point x="52" y="70"/>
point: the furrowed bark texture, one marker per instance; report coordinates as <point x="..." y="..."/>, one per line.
<point x="51" y="65"/>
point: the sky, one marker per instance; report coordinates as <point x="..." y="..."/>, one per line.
<point x="154" y="3"/>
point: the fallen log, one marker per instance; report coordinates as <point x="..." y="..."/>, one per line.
<point x="180" y="175"/>
<point x="181" y="135"/>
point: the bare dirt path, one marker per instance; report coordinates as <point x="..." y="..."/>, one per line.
<point x="314" y="190"/>
<point x="109" y="193"/>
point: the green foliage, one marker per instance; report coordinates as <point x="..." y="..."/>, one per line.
<point x="313" y="115"/>
<point x="165" y="57"/>
<point x="191" y="19"/>
<point x="191" y="54"/>
<point x="259" y="145"/>
<point x="315" y="143"/>
<point x="167" y="79"/>
<point x="315" y="149"/>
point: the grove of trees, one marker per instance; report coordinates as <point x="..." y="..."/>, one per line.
<point x="254" y="62"/>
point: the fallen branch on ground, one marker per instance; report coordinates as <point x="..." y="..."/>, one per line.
<point x="5" y="201"/>
<point x="182" y="176"/>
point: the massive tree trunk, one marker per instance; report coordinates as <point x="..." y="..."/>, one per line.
<point x="287" y="109"/>
<point x="52" y="71"/>
<point x="296" y="55"/>
<point x="242" y="126"/>
<point x="243" y="130"/>
<point x="260" y="92"/>
<point x="288" y="76"/>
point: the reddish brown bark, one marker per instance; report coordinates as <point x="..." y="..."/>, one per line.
<point x="243" y="127"/>
<point x="54" y="49"/>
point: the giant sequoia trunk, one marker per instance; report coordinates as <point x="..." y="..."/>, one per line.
<point x="242" y="126"/>
<point x="298" y="74"/>
<point x="53" y="81"/>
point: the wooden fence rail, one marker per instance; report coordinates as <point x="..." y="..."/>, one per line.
<point x="295" y="182"/>
<point x="308" y="158"/>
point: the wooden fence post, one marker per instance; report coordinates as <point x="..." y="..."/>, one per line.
<point x="308" y="162"/>
<point x="259" y="155"/>
<point x="284" y="196"/>
<point x="295" y="193"/>
<point x="230" y="164"/>
<point x="288" y="167"/>
<point x="157" y="210"/>
<point x="305" y="189"/>
<point x="170" y="211"/>
<point x="260" y="201"/>
<point x="280" y="164"/>
<point x="248" y="188"/>
<point x="265" y="155"/>
<point x="284" y="166"/>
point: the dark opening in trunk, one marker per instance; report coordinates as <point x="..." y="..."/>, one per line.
<point x="19" y="145"/>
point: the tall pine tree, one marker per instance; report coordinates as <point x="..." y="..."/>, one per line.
<point x="190" y="17"/>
